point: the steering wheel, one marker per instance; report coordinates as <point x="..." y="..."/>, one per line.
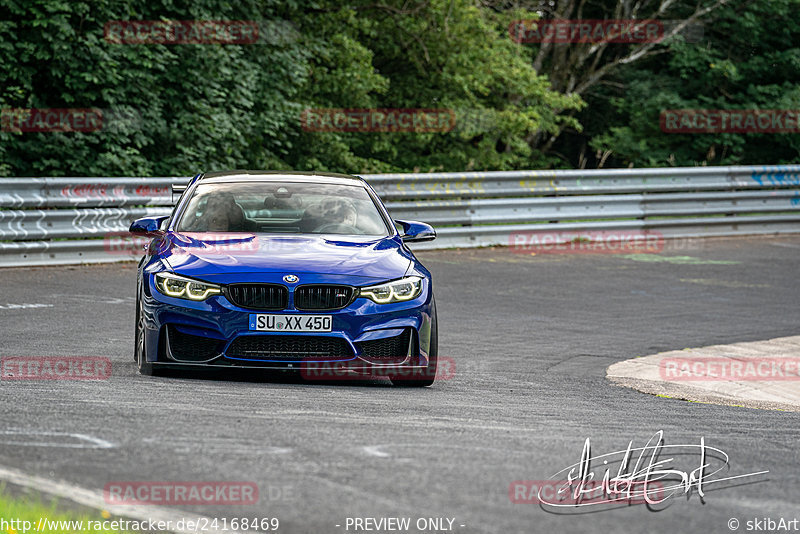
<point x="337" y="228"/>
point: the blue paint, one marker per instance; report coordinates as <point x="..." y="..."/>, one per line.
<point x="777" y="177"/>
<point x="319" y="259"/>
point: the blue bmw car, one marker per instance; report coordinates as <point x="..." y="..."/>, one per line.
<point x="285" y="271"/>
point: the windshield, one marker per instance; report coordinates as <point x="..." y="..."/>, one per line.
<point x="283" y="207"/>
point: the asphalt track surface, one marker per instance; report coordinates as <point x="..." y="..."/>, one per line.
<point x="531" y="337"/>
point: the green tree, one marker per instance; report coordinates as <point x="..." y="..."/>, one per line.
<point x="170" y="109"/>
<point x="749" y="58"/>
<point x="440" y="54"/>
<point x="174" y="109"/>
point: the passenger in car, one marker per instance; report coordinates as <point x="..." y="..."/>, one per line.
<point x="221" y="214"/>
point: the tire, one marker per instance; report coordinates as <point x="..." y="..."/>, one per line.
<point x="145" y="367"/>
<point x="433" y="360"/>
<point x="136" y="331"/>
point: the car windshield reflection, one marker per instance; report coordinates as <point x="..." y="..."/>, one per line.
<point x="284" y="208"/>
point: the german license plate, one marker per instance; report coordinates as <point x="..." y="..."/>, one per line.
<point x="290" y="323"/>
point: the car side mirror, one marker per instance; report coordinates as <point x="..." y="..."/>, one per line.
<point x="148" y="226"/>
<point x="416" y="232"/>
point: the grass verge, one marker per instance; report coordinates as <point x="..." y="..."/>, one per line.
<point x="28" y="513"/>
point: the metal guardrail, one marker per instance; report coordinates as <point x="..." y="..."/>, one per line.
<point x="26" y="193"/>
<point x="75" y="220"/>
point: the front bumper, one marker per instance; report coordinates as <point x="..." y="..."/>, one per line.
<point x="365" y="335"/>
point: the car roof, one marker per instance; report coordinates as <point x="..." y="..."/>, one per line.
<point x="280" y="176"/>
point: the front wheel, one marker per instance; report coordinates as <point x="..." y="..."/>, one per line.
<point x="429" y="373"/>
<point x="145" y="367"/>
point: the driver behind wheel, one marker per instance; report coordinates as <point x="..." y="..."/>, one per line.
<point x="221" y="214"/>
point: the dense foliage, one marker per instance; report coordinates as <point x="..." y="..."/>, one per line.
<point x="174" y="109"/>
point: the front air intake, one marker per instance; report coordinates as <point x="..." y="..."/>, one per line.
<point x="323" y="297"/>
<point x="258" y="296"/>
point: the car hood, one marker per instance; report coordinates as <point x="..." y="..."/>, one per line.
<point x="225" y="257"/>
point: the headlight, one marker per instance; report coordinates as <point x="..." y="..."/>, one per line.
<point x="398" y="291"/>
<point x="173" y="285"/>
